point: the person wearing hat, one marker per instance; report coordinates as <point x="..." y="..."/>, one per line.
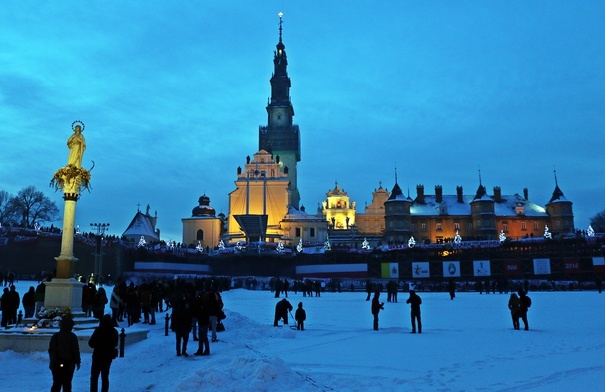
<point x="415" y="302"/>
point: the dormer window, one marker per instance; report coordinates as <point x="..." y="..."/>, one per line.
<point x="520" y="209"/>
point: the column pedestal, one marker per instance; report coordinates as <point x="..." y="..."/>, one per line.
<point x="63" y="294"/>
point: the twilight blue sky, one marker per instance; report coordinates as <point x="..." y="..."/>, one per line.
<point x="172" y="94"/>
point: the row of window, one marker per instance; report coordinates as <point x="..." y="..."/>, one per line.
<point x="298" y="232"/>
<point x="478" y="223"/>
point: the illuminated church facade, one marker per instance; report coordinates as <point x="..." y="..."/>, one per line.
<point x="265" y="205"/>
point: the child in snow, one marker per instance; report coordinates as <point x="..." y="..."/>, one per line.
<point x="300" y="316"/>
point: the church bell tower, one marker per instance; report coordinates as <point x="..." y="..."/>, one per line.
<point x="280" y="137"/>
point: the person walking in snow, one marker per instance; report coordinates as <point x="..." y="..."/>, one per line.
<point x="524" y="304"/>
<point x="513" y="305"/>
<point x="415" y="301"/>
<point x="452" y="289"/>
<point x="300" y="316"/>
<point x="377" y="306"/>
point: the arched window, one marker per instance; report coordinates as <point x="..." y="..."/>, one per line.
<point x="199" y="235"/>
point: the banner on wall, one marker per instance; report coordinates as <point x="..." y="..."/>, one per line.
<point x="451" y="269"/>
<point x="599" y="264"/>
<point x="420" y="269"/>
<point x="571" y="265"/>
<point x="481" y="268"/>
<point x="332" y="271"/>
<point x="511" y="267"/>
<point x="389" y="270"/>
<point x="541" y="266"/>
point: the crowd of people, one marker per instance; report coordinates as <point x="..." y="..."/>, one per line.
<point x="307" y="287"/>
<point x="197" y="310"/>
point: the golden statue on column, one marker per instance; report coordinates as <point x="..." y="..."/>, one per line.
<point x="64" y="290"/>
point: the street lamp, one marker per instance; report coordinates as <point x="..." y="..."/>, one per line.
<point x="100" y="231"/>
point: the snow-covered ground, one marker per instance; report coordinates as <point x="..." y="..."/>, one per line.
<point x="467" y="344"/>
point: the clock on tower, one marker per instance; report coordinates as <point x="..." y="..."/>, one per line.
<point x="279" y="117"/>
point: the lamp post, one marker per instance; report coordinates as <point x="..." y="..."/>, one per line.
<point x="100" y="231"/>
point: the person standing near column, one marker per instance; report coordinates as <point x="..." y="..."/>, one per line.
<point x="64" y="353"/>
<point x="104" y="342"/>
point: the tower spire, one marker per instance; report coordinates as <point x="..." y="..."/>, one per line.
<point x="280" y="14"/>
<point x="480" y="175"/>
<point x="556" y="181"/>
<point x="280" y="136"/>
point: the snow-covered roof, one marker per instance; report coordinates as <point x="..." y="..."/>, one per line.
<point x="507" y="206"/>
<point x="141" y="226"/>
<point x="300" y="215"/>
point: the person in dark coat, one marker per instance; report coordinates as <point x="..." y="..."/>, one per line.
<point x="215" y="309"/>
<point x="64" y="353"/>
<point x="29" y="302"/>
<point x="181" y="323"/>
<point x="131" y="301"/>
<point x="15" y="303"/>
<point x="10" y="304"/>
<point x="5" y="305"/>
<point x="415" y="302"/>
<point x="88" y="299"/>
<point x="285" y="287"/>
<point x="203" y="322"/>
<point x="452" y="289"/>
<point x="281" y="311"/>
<point x="277" y="287"/>
<point x="300" y="316"/>
<point x="40" y="293"/>
<point x="513" y="305"/>
<point x="104" y="342"/>
<point x="377" y="306"/>
<point x="99" y="302"/>
<point x="524" y="304"/>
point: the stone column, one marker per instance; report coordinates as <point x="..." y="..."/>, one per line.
<point x="64" y="291"/>
<point x="66" y="260"/>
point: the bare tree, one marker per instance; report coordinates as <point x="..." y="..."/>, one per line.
<point x="31" y="206"/>
<point x="598" y="222"/>
<point x="7" y="209"/>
